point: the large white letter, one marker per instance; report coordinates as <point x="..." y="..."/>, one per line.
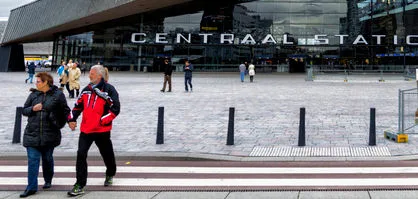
<point x="321" y="40"/>
<point x="378" y="38"/>
<point x="360" y="37"/>
<point x="205" y="37"/>
<point x="230" y="40"/>
<point x="285" y="40"/>
<point x="134" y="35"/>
<point x="408" y="40"/>
<point x="341" y="38"/>
<point x="269" y="39"/>
<point x="246" y="38"/>
<point x="160" y="37"/>
<point x="179" y="36"/>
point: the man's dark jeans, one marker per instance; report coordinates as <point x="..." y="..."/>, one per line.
<point x="105" y="146"/>
<point x="188" y="80"/>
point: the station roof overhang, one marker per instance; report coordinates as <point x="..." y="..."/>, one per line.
<point x="25" y="27"/>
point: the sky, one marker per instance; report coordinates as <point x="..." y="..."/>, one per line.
<point x="7" y="5"/>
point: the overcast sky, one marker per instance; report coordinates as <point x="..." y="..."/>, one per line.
<point x="7" y="5"/>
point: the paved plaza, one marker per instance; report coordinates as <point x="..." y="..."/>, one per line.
<point x="266" y="113"/>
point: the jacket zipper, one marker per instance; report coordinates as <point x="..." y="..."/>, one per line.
<point x="41" y="127"/>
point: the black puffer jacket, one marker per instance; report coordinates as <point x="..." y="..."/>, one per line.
<point x="43" y="128"/>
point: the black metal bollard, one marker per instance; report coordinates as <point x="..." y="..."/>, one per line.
<point x="230" y="137"/>
<point x="18" y="125"/>
<point x="160" y="126"/>
<point x="372" y="134"/>
<point x="301" y="141"/>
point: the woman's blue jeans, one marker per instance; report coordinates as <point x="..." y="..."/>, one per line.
<point x="242" y="74"/>
<point x="34" y="156"/>
<point x="30" y="77"/>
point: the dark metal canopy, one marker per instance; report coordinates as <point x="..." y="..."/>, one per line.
<point x="40" y="20"/>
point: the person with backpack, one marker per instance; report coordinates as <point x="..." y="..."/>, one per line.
<point x="47" y="112"/>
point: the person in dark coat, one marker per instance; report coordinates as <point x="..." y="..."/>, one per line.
<point x="31" y="72"/>
<point x="188" y="68"/>
<point x="168" y="70"/>
<point x="47" y="112"/>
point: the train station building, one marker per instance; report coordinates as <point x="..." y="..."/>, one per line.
<point x="275" y="35"/>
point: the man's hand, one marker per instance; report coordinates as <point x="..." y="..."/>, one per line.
<point x="37" y="107"/>
<point x="72" y="125"/>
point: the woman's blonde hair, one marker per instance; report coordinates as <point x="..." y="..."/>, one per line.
<point x="106" y="74"/>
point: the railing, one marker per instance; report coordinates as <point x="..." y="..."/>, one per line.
<point x="369" y="72"/>
<point x="226" y="68"/>
<point x="408" y="106"/>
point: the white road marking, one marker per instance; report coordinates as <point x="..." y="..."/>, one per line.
<point x="228" y="182"/>
<point x="232" y="170"/>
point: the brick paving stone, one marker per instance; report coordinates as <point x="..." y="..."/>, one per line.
<point x="266" y="112"/>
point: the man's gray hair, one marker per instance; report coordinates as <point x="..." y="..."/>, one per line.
<point x="99" y="69"/>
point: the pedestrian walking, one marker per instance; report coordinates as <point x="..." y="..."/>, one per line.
<point x="242" y="69"/>
<point x="31" y="72"/>
<point x="74" y="74"/>
<point x="64" y="78"/>
<point x="251" y="72"/>
<point x="99" y="103"/>
<point x="83" y="68"/>
<point x="188" y="68"/>
<point x="60" y="72"/>
<point x="47" y="112"/>
<point x="168" y="71"/>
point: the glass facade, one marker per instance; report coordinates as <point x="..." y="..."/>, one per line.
<point x="287" y="35"/>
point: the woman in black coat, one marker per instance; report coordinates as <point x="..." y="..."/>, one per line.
<point x="47" y="111"/>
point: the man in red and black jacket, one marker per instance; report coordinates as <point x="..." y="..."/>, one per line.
<point x="99" y="103"/>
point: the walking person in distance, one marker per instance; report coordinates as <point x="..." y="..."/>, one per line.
<point x="74" y="74"/>
<point x="251" y="71"/>
<point x="168" y="71"/>
<point x="31" y="72"/>
<point x="188" y="69"/>
<point x="242" y="69"/>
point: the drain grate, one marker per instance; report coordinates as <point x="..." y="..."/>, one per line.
<point x="320" y="152"/>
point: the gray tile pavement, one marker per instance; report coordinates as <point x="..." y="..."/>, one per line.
<point x="267" y="113"/>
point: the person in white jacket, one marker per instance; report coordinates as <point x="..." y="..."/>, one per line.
<point x="251" y="72"/>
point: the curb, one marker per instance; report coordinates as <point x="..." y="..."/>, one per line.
<point x="182" y="156"/>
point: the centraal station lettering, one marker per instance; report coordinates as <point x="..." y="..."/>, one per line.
<point x="248" y="39"/>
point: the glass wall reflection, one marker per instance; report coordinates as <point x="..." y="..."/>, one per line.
<point x="273" y="34"/>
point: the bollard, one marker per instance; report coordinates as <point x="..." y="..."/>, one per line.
<point x="160" y="126"/>
<point x="18" y="125"/>
<point x="230" y="137"/>
<point x="372" y="134"/>
<point x="301" y="141"/>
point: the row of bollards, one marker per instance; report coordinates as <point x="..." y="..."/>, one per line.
<point x="301" y="137"/>
<point x="230" y="136"/>
<point x="160" y="126"/>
